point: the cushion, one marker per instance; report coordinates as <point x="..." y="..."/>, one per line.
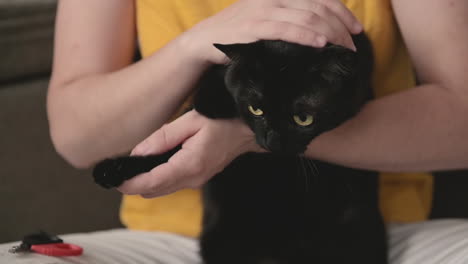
<point x="26" y="30"/>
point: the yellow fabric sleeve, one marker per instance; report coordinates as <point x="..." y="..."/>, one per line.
<point x="404" y="197"/>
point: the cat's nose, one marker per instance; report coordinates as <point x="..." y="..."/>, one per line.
<point x="273" y="141"/>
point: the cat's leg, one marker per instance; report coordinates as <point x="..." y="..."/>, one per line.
<point x="113" y="172"/>
<point x="227" y="244"/>
<point x="224" y="250"/>
<point x="220" y="252"/>
<point x="363" y="242"/>
<point x="212" y="98"/>
<point x="354" y="229"/>
<point x="376" y="244"/>
<point x="222" y="241"/>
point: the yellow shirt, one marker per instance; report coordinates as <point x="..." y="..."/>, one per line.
<point x="404" y="197"/>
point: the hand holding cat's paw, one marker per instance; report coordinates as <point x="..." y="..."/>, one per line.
<point x="111" y="173"/>
<point x="208" y="146"/>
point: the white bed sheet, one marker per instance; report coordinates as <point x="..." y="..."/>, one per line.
<point x="432" y="242"/>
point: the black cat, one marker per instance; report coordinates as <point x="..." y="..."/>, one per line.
<point x="279" y="207"/>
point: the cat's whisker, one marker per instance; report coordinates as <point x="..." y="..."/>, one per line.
<point x="251" y="83"/>
<point x="303" y="171"/>
<point x="307" y="171"/>
<point x="314" y="170"/>
<point x="307" y="176"/>
<point x="282" y="69"/>
<point x="315" y="166"/>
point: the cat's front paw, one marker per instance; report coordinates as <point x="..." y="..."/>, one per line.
<point x="111" y="173"/>
<point x="108" y="173"/>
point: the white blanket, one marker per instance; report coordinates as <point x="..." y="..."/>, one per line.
<point x="433" y="242"/>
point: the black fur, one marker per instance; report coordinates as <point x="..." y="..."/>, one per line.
<point x="113" y="172"/>
<point x="278" y="207"/>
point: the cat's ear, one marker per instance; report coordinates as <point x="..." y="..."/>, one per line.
<point x="233" y="51"/>
<point x="342" y="61"/>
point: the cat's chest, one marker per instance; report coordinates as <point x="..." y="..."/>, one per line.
<point x="263" y="182"/>
<point x="266" y="184"/>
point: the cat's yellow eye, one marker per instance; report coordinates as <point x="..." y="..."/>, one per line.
<point x="304" y="120"/>
<point x="255" y="111"/>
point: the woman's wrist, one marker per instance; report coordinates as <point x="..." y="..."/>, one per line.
<point x="190" y="46"/>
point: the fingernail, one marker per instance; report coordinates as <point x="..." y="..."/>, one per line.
<point x="321" y="41"/>
<point x="141" y="149"/>
<point x="357" y="27"/>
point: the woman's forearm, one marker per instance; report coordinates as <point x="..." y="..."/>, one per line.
<point x="421" y="129"/>
<point x="101" y="115"/>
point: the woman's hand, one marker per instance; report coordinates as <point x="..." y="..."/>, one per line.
<point x="208" y="146"/>
<point x="306" y="22"/>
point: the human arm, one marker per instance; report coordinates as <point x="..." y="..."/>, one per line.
<point x="99" y="104"/>
<point x="423" y="128"/>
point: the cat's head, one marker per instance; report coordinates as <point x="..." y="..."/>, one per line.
<point x="287" y="93"/>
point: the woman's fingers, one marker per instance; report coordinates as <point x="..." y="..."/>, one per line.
<point x="184" y="169"/>
<point x="334" y="28"/>
<point x="159" y="180"/>
<point x="289" y="32"/>
<point x="344" y="14"/>
<point x="307" y="22"/>
<point x="336" y="7"/>
<point x="321" y="24"/>
<point x="205" y="152"/>
<point x="169" y="135"/>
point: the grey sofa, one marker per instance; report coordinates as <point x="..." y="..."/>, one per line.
<point x="38" y="190"/>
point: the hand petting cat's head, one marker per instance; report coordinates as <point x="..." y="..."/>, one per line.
<point x="287" y="93"/>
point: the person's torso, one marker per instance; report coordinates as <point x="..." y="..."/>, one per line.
<point x="403" y="197"/>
